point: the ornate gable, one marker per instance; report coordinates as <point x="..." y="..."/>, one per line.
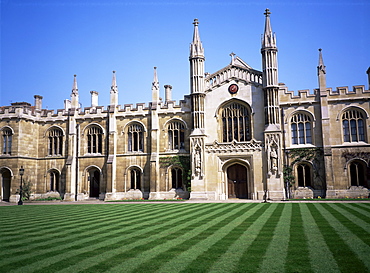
<point x="236" y="70"/>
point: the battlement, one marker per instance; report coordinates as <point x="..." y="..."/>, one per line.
<point x="25" y="110"/>
<point x="302" y="96"/>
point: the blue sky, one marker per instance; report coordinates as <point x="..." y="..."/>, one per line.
<point x="45" y="42"/>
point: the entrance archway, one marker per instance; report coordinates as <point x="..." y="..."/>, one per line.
<point x="94" y="177"/>
<point x="237" y="181"/>
<point x="5" y="184"/>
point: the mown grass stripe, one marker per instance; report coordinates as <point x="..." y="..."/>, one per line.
<point x="56" y="230"/>
<point x="215" y="232"/>
<point x="340" y="240"/>
<point x="363" y="223"/>
<point x="86" y="231"/>
<point x="275" y="256"/>
<point x="45" y="226"/>
<point x="85" y="242"/>
<point x="47" y="215"/>
<point x="358" y="212"/>
<point x="38" y="213"/>
<point x="298" y="259"/>
<point x="252" y="258"/>
<point x="364" y="206"/>
<point x="251" y="222"/>
<point x="321" y="258"/>
<point x="119" y="247"/>
<point x="144" y="245"/>
<point x="356" y="227"/>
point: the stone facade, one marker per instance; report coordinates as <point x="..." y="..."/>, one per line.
<point x="237" y="134"/>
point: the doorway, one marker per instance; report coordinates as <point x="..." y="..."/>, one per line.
<point x="237" y="181"/>
<point x="94" y="183"/>
<point x="5" y="184"/>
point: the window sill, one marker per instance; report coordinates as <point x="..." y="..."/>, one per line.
<point x="176" y="151"/>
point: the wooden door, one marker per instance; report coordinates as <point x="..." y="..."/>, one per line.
<point x="237" y="181"/>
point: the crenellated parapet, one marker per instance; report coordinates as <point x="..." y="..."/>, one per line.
<point x="26" y="111"/>
<point x="358" y="92"/>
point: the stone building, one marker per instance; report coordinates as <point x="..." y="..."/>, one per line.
<point x="239" y="133"/>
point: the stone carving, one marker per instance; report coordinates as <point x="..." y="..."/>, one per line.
<point x="234" y="147"/>
<point x="273" y="154"/>
<point x="197" y="162"/>
<point x="197" y="157"/>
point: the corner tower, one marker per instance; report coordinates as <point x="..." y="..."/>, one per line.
<point x="197" y="136"/>
<point x="274" y="186"/>
<point x="270" y="73"/>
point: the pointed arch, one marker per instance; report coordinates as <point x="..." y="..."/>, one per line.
<point x="237" y="179"/>
<point x="357" y="173"/>
<point x="54" y="176"/>
<point x="94" y="138"/>
<point x="135" y="177"/>
<point x="304" y="174"/>
<point x="301" y="124"/>
<point x="6" y="176"/>
<point x="7" y="140"/>
<point x="176" y="134"/>
<point x="235" y="121"/>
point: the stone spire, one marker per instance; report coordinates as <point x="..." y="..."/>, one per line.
<point x="114" y="90"/>
<point x="270" y="75"/>
<point x="321" y="72"/>
<point x="269" y="38"/>
<point x="196" y="47"/>
<point x="196" y="62"/>
<point x="269" y="54"/>
<point x="155" y="87"/>
<point x="74" y="94"/>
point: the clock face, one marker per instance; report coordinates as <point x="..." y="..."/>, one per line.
<point x="233" y="89"/>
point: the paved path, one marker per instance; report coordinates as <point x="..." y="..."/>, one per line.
<point x="29" y="203"/>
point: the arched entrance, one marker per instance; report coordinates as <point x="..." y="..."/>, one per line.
<point x="5" y="184"/>
<point x="237" y="181"/>
<point x="94" y="177"/>
<point x="357" y="171"/>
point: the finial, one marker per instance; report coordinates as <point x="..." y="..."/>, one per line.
<point x="267" y="12"/>
<point x="196" y="22"/>
<point x="75" y="75"/>
<point x="232" y="54"/>
<point x="320" y="49"/>
<point x="114" y="71"/>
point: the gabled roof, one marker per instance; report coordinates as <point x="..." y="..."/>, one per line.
<point x="236" y="70"/>
<point x="239" y="62"/>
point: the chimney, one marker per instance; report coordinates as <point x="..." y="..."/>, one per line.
<point x="94" y="98"/>
<point x="168" y="92"/>
<point x="38" y="102"/>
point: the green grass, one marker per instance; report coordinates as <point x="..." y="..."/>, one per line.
<point x="186" y="237"/>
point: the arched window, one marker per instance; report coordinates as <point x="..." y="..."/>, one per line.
<point x="353" y="126"/>
<point x="176" y="174"/>
<point x="94" y="140"/>
<point x="135" y="177"/>
<point x="236" y="125"/>
<point x="135" y="138"/>
<point x="357" y="171"/>
<point x="55" y="142"/>
<point x="304" y="175"/>
<point x="176" y="135"/>
<point x="54" y="181"/>
<point x="7" y="141"/>
<point x="301" y="129"/>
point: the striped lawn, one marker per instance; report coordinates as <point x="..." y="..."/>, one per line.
<point x="181" y="237"/>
